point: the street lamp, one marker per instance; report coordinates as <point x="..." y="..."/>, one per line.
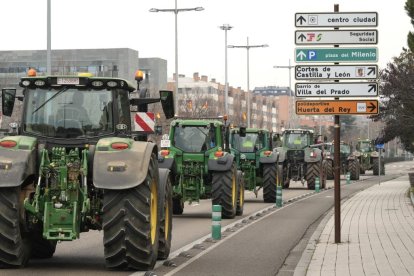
<point x="176" y="11"/>
<point x="290" y="90"/>
<point x="247" y="47"/>
<point x="225" y="27"/>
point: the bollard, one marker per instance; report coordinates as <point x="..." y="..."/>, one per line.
<point x="279" y="202"/>
<point x="348" y="178"/>
<point x="216" y="222"/>
<point x="317" y="186"/>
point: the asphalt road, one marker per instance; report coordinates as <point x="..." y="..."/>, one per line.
<point x="257" y="243"/>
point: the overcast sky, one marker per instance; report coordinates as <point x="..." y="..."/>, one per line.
<point x="85" y="24"/>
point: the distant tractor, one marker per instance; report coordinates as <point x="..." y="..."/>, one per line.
<point x="256" y="159"/>
<point x="299" y="160"/>
<point x="348" y="162"/>
<point x="369" y="157"/>
<point x="198" y="154"/>
<point x="75" y="166"/>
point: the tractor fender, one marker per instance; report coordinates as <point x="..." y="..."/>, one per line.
<point x="221" y="164"/>
<point x="309" y="159"/>
<point x="269" y="159"/>
<point x="122" y="169"/>
<point x="18" y="163"/>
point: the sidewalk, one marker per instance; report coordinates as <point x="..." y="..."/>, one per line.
<point x="377" y="235"/>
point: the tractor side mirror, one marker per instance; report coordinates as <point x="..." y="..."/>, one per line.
<point x="242" y="132"/>
<point x="167" y="103"/>
<point x="8" y="96"/>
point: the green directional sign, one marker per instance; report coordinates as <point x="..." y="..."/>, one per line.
<point x="336" y="55"/>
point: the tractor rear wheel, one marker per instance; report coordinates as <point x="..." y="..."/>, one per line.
<point x="329" y="169"/>
<point x="166" y="215"/>
<point x="353" y="168"/>
<point x="178" y="206"/>
<point x="40" y="247"/>
<point x="312" y="172"/>
<point x="131" y="221"/>
<point x="269" y="183"/>
<point x="224" y="191"/>
<point x="14" y="246"/>
<point x="240" y="197"/>
<point x="375" y="167"/>
<point x="282" y="174"/>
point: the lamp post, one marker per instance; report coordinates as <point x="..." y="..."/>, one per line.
<point x="225" y="27"/>
<point x="176" y="11"/>
<point x="49" y="43"/>
<point x="290" y="115"/>
<point x="247" y="47"/>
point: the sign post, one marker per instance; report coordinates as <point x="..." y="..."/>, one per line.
<point x="332" y="74"/>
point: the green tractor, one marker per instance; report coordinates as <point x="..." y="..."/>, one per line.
<point x="369" y="157"/>
<point x="252" y="148"/>
<point x="349" y="162"/>
<point x="75" y="165"/>
<point x="197" y="153"/>
<point x="299" y="159"/>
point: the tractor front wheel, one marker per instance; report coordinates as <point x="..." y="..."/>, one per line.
<point x="313" y="171"/>
<point x="131" y="220"/>
<point x="353" y="168"/>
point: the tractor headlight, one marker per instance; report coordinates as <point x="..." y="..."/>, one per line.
<point x="242" y="157"/>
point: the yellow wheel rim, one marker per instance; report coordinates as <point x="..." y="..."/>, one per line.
<point x="167" y="220"/>
<point x="234" y="190"/>
<point x="154" y="210"/>
<point x="241" y="196"/>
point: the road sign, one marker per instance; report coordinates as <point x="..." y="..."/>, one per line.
<point x="339" y="19"/>
<point x="379" y="146"/>
<point x="337" y="89"/>
<point x="317" y="37"/>
<point x="348" y="107"/>
<point x="328" y="72"/>
<point x="336" y="55"/>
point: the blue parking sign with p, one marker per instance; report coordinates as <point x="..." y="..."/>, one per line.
<point x="312" y="55"/>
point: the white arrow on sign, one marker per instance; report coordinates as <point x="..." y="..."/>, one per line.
<point x="328" y="72"/>
<point x="337" y="89"/>
<point x="316" y="37"/>
<point x="338" y="19"/>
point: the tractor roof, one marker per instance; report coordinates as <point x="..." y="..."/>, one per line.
<point x="252" y="130"/>
<point x="76" y="82"/>
<point x="196" y="122"/>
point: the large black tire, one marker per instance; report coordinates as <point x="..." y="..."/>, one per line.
<point x="329" y="169"/>
<point x="269" y="183"/>
<point x="353" y="168"/>
<point x="14" y="247"/>
<point x="324" y="174"/>
<point x="40" y="247"/>
<point x="375" y="167"/>
<point x="282" y="175"/>
<point x="224" y="192"/>
<point x="240" y="197"/>
<point x="313" y="170"/>
<point x="131" y="220"/>
<point x="178" y="206"/>
<point x="164" y="247"/>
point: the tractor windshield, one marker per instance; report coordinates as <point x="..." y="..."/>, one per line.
<point x="250" y="143"/>
<point x="294" y="140"/>
<point x="68" y="112"/>
<point x="365" y="146"/>
<point x="194" y="138"/>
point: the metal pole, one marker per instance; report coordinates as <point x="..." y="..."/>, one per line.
<point x="337" y="162"/>
<point x="226" y="27"/>
<point x="49" y="43"/>
<point x="291" y="115"/>
<point x="226" y="89"/>
<point x="176" y="61"/>
<point x="248" y="86"/>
